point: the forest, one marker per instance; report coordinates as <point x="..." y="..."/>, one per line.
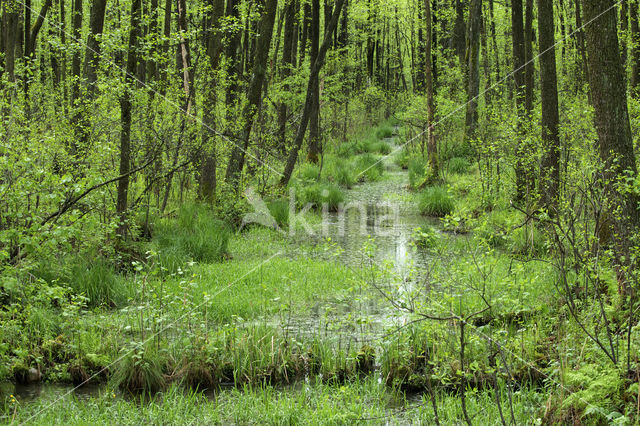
<point x="319" y="212"/>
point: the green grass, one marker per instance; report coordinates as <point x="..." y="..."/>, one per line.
<point x="368" y="168"/>
<point x="279" y="209"/>
<point x="435" y="201"/>
<point x="98" y="281"/>
<point x="309" y="172"/>
<point x="321" y="194"/>
<point x="459" y="165"/>
<point x="417" y="171"/>
<point x="195" y="234"/>
<point x="384" y="132"/>
<point x="338" y="170"/>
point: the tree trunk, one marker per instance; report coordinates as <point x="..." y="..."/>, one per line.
<point x="92" y="52"/>
<point x="76" y="33"/>
<point x="314" y="119"/>
<point x="473" y="69"/>
<point x="185" y="55"/>
<point x="313" y="79"/>
<point x="213" y="48"/>
<point x="11" y="38"/>
<point x="550" y="172"/>
<point x="287" y="66"/>
<point x="459" y="35"/>
<point x="528" y="55"/>
<point x="635" y="47"/>
<point x="125" y="117"/>
<point x="609" y="95"/>
<point x="624" y="31"/>
<point x="432" y="146"/>
<point x="523" y="174"/>
<point x="263" y="43"/>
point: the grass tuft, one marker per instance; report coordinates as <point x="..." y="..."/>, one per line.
<point x="459" y="165"/>
<point x="435" y="201"/>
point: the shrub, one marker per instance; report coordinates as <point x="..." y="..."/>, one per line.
<point x="195" y="234"/>
<point x="456" y="149"/>
<point x="435" y="201"/>
<point x="424" y="237"/>
<point x="459" y="165"/>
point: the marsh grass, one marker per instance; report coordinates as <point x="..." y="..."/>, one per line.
<point x="459" y="165"/>
<point x="321" y="193"/>
<point x="97" y="279"/>
<point x="195" y="234"/>
<point x="435" y="201"/>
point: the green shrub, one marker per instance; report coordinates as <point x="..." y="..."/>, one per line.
<point x="459" y="165"/>
<point x="435" y="201"/>
<point x="424" y="237"/>
<point x="417" y="172"/>
<point x="195" y="234"/>
<point x="347" y="149"/>
<point x="456" y="149"/>
<point x="99" y="282"/>
<point x="319" y="194"/>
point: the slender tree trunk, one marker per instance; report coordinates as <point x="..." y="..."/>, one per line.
<point x="213" y="48"/>
<point x="459" y="35"/>
<point x="432" y="146"/>
<point x="305" y="30"/>
<point x="314" y="119"/>
<point x="519" y="57"/>
<point x="125" y="117"/>
<point x="624" y="31"/>
<point x="313" y="79"/>
<point x="287" y="65"/>
<point x="185" y="55"/>
<point x="473" y="69"/>
<point x="10" y="37"/>
<point x="233" y="52"/>
<point x="76" y="32"/>
<point x="550" y="173"/>
<point x="635" y="47"/>
<point x="92" y="52"/>
<point x="529" y="62"/>
<point x="263" y="43"/>
<point x="609" y="95"/>
<point x="581" y="45"/>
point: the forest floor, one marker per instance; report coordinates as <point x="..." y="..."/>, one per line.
<point x="335" y="326"/>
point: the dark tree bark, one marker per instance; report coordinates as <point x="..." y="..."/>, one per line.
<point x="314" y="119"/>
<point x="213" y="48"/>
<point x="581" y="45"/>
<point x="528" y="57"/>
<point x="615" y="141"/>
<point x="265" y="31"/>
<point x="125" y="117"/>
<point x="11" y="18"/>
<point x="232" y="53"/>
<point x="550" y="172"/>
<point x="92" y="52"/>
<point x="30" y="48"/>
<point x="459" y="33"/>
<point x="524" y="178"/>
<point x="76" y="33"/>
<point x="306" y="23"/>
<point x="432" y="146"/>
<point x="635" y="46"/>
<point x="624" y="30"/>
<point x="287" y="66"/>
<point x="184" y="53"/>
<point x="313" y="80"/>
<point x="473" y="68"/>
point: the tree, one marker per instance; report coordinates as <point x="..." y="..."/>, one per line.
<point x="314" y="118"/>
<point x="473" y="68"/>
<point x="213" y="48"/>
<point x="609" y="96"/>
<point x="550" y="172"/>
<point x="432" y="146"/>
<point x="125" y="118"/>
<point x="265" y="31"/>
<point x="313" y="80"/>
